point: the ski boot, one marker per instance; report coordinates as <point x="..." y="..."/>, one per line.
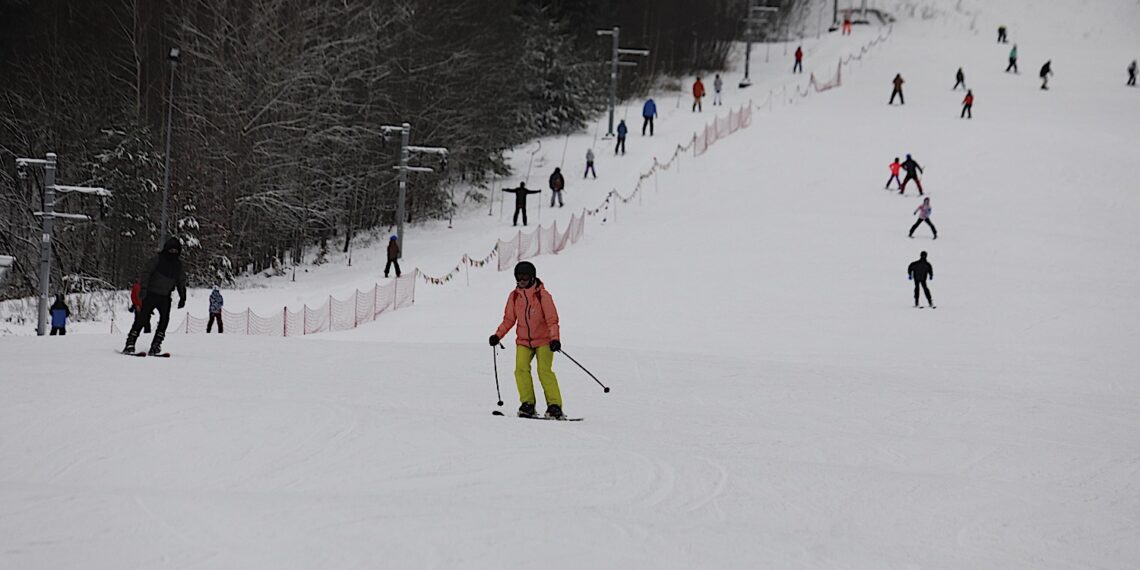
<point x="527" y="410"/>
<point x="129" y="349"/>
<point x="155" y="350"/>
<point x="554" y="412"/>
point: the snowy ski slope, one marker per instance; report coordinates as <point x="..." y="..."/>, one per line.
<point x="776" y="403"/>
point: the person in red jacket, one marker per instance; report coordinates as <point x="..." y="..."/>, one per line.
<point x="799" y="66"/>
<point x="698" y="92"/>
<point x="968" y="105"/>
<point x="847" y="25"/>
<point x="894" y="166"/>
<point x="530" y="309"/>
<point x="136" y="304"/>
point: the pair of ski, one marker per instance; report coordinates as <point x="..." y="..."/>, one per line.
<point x="562" y="419"/>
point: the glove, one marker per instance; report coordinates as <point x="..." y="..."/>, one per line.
<point x="131" y="309"/>
<point x="908" y="278"/>
<point x="181" y="302"/>
<point x="932" y="278"/>
<point x="494" y="340"/>
<point x="556" y="345"/>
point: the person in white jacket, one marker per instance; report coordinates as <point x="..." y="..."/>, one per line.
<point x="923" y="212"/>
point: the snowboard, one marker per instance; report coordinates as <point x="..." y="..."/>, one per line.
<point x="144" y="354"/>
<point x="544" y="418"/>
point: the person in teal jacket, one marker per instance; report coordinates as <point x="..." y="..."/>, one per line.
<point x="1012" y="60"/>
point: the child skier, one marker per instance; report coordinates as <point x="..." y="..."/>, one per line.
<point x="216" y="304"/>
<point x="918" y="271"/>
<point x="622" y="131"/>
<point x="590" y="164"/>
<point x="1012" y="60"/>
<point x="557" y="183"/>
<point x="59" y="314"/>
<point x="968" y="105"/>
<point x="923" y="212"/>
<point x="394" y="248"/>
<point x="536" y="334"/>
<point x="718" y="84"/>
<point x="136" y="304"/>
<point x="163" y="274"/>
<point x="698" y="92"/>
<point x="799" y="65"/>
<point x="961" y="80"/>
<point x="1132" y="74"/>
<point x="894" y="166"/>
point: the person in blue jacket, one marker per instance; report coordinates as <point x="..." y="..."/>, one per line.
<point x="59" y="315"/>
<point x="622" y="130"/>
<point x="648" y="112"/>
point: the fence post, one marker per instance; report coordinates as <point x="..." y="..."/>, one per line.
<point x="285" y="319"/>
<point x="376" y="300"/>
<point x="187" y="323"/>
<point x="304" y="320"/>
<point x="330" y="313"/>
<point x="355" y="308"/>
<point x="396" y="293"/>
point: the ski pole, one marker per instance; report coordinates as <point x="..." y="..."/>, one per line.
<point x="495" y="357"/>
<point x="604" y="387"/>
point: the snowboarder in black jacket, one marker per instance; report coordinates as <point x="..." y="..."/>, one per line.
<point x="520" y="201"/>
<point x="919" y="271"/>
<point x="162" y="274"/>
<point x="1046" y="71"/>
<point x="961" y="80"/>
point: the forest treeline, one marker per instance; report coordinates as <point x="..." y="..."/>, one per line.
<point x="276" y="112"/>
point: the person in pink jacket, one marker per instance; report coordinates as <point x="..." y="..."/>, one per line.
<point x="530" y="309"/>
<point x="923" y="212"/>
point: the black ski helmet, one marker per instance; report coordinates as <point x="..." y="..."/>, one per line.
<point x="525" y="269"/>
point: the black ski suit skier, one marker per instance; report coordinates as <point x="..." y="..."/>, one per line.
<point x="557" y="183"/>
<point x="912" y="171"/>
<point x="162" y="274"/>
<point x="898" y="82"/>
<point x="520" y="201"/>
<point x="919" y="271"/>
<point x="961" y="80"/>
<point x="1001" y="35"/>
<point x="1046" y="71"/>
<point x="1132" y="74"/>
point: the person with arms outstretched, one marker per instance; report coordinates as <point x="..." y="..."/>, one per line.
<point x="520" y="201"/>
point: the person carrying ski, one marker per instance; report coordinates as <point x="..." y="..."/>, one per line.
<point x="216" y="303"/>
<point x="968" y="105"/>
<point x="1132" y="74"/>
<point x="557" y="183"/>
<point x="530" y="309"/>
<point x="1001" y="35"/>
<point x="590" y="164"/>
<point x="923" y="212"/>
<point x="894" y="166"/>
<point x="648" y="113"/>
<point x="1012" y="60"/>
<point x="59" y="314"/>
<point x="520" y="208"/>
<point x="394" y="243"/>
<point x="799" y="65"/>
<point x="918" y="271"/>
<point x="1046" y="71"/>
<point x="718" y="84"/>
<point x="622" y="131"/>
<point x="961" y="80"/>
<point x="898" y="82"/>
<point x="912" y="171"/>
<point x="698" y="92"/>
<point x="161" y="276"/>
<point x="136" y="304"/>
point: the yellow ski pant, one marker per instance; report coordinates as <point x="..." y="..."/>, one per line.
<point x="546" y="376"/>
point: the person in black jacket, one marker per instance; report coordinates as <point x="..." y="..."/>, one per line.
<point x="919" y="271"/>
<point x="520" y="201"/>
<point x="1046" y="71"/>
<point x="912" y="169"/>
<point x="393" y="256"/>
<point x="162" y="274"/>
<point x="557" y="183"/>
<point x="961" y="80"/>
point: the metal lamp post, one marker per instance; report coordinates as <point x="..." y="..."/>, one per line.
<point x="406" y="150"/>
<point x="49" y="215"/>
<point x="173" y="59"/>
<point x="615" y="63"/>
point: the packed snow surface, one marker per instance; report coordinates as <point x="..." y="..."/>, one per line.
<point x="777" y="401"/>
